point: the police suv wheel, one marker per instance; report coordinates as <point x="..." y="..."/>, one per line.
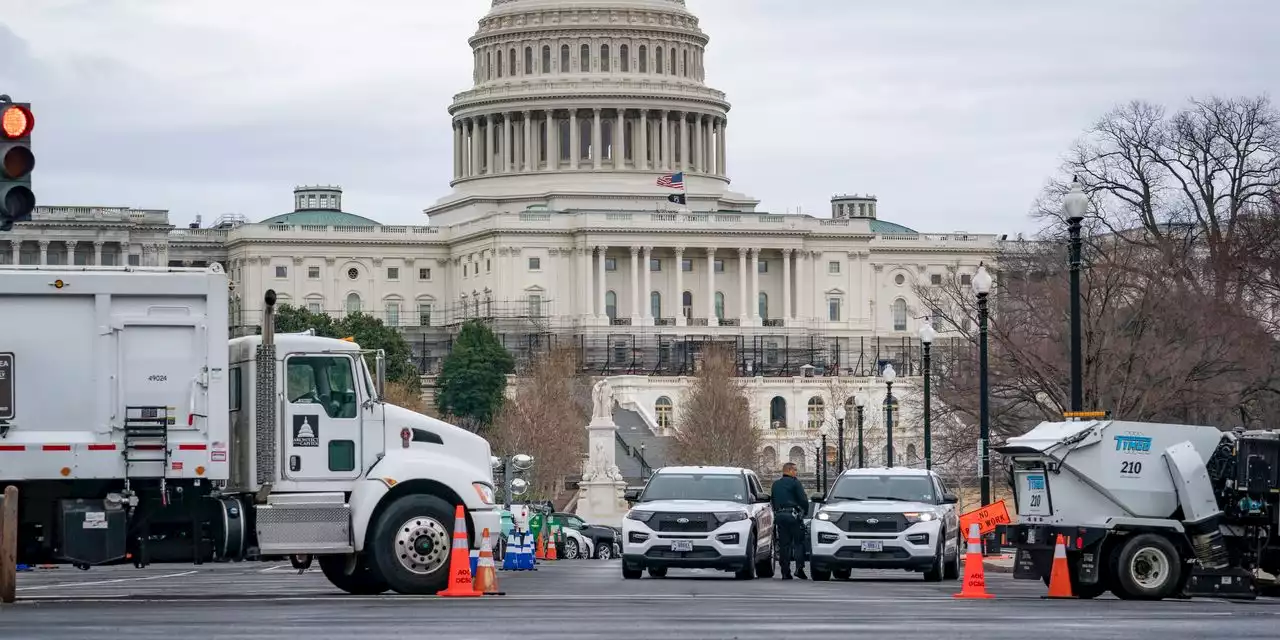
<point x="764" y="566"/>
<point x="748" y="572"/>
<point x="952" y="570"/>
<point x="411" y="543"/>
<point x="935" y="570"/>
<point x="631" y="573"/>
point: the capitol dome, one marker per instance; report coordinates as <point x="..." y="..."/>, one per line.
<point x="584" y="104"/>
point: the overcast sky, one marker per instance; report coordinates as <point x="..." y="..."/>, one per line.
<point x="954" y="113"/>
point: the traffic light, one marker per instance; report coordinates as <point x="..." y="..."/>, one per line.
<point x="17" y="201"/>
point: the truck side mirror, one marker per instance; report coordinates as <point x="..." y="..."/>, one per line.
<point x="380" y="364"/>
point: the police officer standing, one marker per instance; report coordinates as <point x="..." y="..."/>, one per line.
<point x="789" y="506"/>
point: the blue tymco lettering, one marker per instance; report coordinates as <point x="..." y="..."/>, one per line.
<point x="1133" y="444"/>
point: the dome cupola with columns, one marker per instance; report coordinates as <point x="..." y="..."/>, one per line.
<point x="584" y="104"/>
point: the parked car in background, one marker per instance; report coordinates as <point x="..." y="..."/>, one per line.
<point x="592" y="540"/>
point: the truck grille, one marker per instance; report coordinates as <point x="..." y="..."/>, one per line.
<point x="692" y="522"/>
<point x="872" y="522"/>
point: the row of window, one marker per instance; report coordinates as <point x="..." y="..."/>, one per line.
<point x="353" y="273"/>
<point x="355" y="304"/>
<point x="803" y="459"/>
<point x="492" y="63"/>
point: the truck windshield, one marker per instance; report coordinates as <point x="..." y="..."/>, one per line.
<point x="696" y="486"/>
<point x="885" y="487"/>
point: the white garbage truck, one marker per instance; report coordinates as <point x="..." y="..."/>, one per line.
<point x="1146" y="510"/>
<point x="136" y="431"/>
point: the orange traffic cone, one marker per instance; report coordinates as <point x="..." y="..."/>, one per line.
<point x="486" y="575"/>
<point x="1060" y="574"/>
<point x="975" y="580"/>
<point x="542" y="548"/>
<point x="551" y="545"/>
<point x="460" y="584"/>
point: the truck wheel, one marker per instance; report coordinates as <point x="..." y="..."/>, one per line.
<point x="411" y="544"/>
<point x="1148" y="567"/>
<point x="362" y="581"/>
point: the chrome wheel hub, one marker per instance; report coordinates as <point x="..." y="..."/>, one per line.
<point x="422" y="545"/>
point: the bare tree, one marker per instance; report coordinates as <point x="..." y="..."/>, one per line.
<point x="545" y="418"/>
<point x="714" y="425"/>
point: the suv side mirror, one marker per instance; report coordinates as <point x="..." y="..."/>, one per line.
<point x="631" y="495"/>
<point x="762" y="498"/>
<point x="950" y="498"/>
<point x="817" y="498"/>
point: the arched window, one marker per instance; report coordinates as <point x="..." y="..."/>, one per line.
<point x="778" y="412"/>
<point x="663" y="409"/>
<point x="658" y="66"/>
<point x="899" y="315"/>
<point x="604" y="57"/>
<point x="624" y="61"/>
<point x="764" y="305"/>
<point x="797" y="457"/>
<point x="511" y="61"/>
<point x="542" y="141"/>
<point x="644" y="59"/>
<point x="489" y="64"/>
<point x="528" y="61"/>
<point x="426" y="306"/>
<point x="584" y="59"/>
<point x="769" y="458"/>
<point x="611" y="305"/>
<point x="684" y="63"/>
<point x="911" y="454"/>
<point x="564" y="58"/>
<point x="817" y="411"/>
<point x="686" y="304"/>
<point x="546" y="58"/>
<point x="673" y="61"/>
<point x="353" y="302"/>
<point x="720" y="305"/>
<point x="655" y="304"/>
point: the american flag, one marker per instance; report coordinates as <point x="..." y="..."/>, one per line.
<point x="674" y="181"/>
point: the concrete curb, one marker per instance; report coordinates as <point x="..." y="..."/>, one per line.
<point x="995" y="567"/>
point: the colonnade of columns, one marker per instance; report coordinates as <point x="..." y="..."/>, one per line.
<point x="152" y="254"/>
<point x="594" y="292"/>
<point x="614" y="139"/>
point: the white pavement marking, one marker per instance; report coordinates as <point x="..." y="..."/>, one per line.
<point x="100" y="582"/>
<point x="269" y="569"/>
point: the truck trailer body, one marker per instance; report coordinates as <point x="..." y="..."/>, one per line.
<point x="137" y="431"/>
<point x="1148" y="510"/>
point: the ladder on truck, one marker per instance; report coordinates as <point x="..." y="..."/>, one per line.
<point x="146" y="456"/>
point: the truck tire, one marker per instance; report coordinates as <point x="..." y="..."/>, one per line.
<point x="362" y="582"/>
<point x="1148" y="567"/>
<point x="411" y="544"/>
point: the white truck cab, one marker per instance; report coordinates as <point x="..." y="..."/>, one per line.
<point x="135" y="430"/>
<point x="886" y="518"/>
<point x="699" y="518"/>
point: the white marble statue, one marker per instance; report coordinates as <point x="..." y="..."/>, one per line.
<point x="602" y="396"/>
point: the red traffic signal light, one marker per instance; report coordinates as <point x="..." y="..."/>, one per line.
<point x="16" y="122"/>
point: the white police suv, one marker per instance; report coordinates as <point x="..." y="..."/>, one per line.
<point x="886" y="518"/>
<point x="699" y="518"/>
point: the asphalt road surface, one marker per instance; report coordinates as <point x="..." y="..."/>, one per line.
<point x="587" y="599"/>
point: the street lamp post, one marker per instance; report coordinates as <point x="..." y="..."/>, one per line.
<point x="840" y="414"/>
<point x="512" y="485"/>
<point x="927" y="334"/>
<point x="888" y="374"/>
<point x="860" y="402"/>
<point x="982" y="287"/>
<point x="1075" y="204"/>
<point x="823" y="455"/>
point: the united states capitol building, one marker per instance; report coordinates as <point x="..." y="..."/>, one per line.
<point x="557" y="232"/>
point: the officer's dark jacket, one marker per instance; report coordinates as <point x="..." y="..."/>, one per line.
<point x="787" y="493"/>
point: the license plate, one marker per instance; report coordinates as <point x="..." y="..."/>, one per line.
<point x="872" y="546"/>
<point x="682" y="545"/>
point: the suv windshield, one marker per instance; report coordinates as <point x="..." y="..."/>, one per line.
<point x="885" y="487"/>
<point x="696" y="486"/>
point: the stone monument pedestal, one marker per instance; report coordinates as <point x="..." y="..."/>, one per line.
<point x="602" y="486"/>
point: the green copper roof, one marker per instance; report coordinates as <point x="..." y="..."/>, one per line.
<point x="881" y="226"/>
<point x="321" y="217"/>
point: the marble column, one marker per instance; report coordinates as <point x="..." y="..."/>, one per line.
<point x="475" y="147"/>
<point x="698" y="165"/>
<point x="601" y="284"/>
<point x="635" y="286"/>
<point x="575" y="144"/>
<point x="679" y="296"/>
<point x="16" y="247"/>
<point x="529" y="153"/>
<point x="489" y="167"/>
<point x="712" y="320"/>
<point x="457" y="151"/>
<point x="597" y="141"/>
<point x="743" y="313"/>
<point x="507" y="144"/>
<point x="755" y="288"/>
<point x="665" y="144"/>
<point x="646" y="307"/>
<point x="619" y="147"/>
<point x="723" y="166"/>
<point x="684" y="142"/>
<point x="44" y="252"/>
<point x="97" y="253"/>
<point x="553" y="141"/>
<point x="786" y="286"/>
<point x="71" y="251"/>
<point x="642" y="158"/>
